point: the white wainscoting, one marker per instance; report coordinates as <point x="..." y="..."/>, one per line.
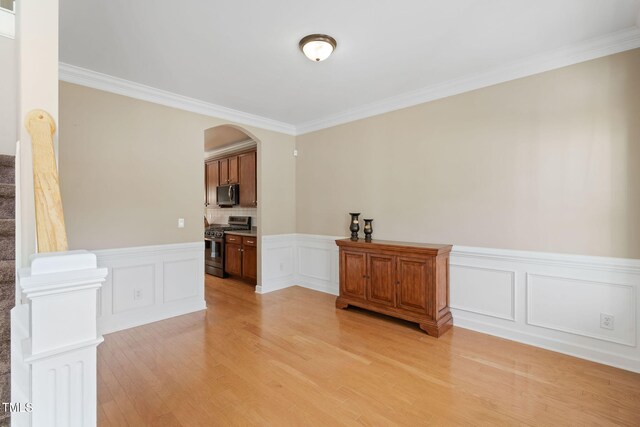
<point x="553" y="301"/>
<point x="317" y="263"/>
<point x="278" y="262"/>
<point x="548" y="300"/>
<point x="150" y="283"/>
<point x="304" y="260"/>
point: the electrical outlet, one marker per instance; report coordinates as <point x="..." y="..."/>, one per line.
<point x="180" y="222"/>
<point x="606" y="321"/>
<point x="137" y="294"/>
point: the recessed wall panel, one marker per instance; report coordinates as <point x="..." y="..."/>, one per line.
<point x="180" y="279"/>
<point x="482" y="290"/>
<point x="575" y="306"/>
<point x="314" y="262"/>
<point x="133" y="287"/>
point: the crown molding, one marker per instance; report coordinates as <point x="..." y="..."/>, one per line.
<point x="82" y="76"/>
<point x="610" y="44"/>
<point x="238" y="146"/>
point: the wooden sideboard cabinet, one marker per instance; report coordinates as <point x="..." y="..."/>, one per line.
<point x="405" y="280"/>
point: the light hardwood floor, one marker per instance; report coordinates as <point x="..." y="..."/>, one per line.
<point x="291" y="358"/>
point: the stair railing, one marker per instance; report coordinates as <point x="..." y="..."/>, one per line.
<point x="50" y="229"/>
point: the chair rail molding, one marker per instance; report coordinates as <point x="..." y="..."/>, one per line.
<point x="524" y="296"/>
<point x="55" y="338"/>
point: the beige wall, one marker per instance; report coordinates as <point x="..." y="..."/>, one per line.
<point x="129" y="169"/>
<point x="8" y="96"/>
<point x="545" y="163"/>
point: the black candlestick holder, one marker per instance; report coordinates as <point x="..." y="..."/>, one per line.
<point x="368" y="229"/>
<point x="355" y="226"/>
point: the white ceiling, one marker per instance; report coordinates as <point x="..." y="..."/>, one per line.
<point x="243" y="55"/>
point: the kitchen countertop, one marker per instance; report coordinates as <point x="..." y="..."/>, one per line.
<point x="248" y="233"/>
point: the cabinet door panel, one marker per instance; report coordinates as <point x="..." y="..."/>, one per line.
<point x="352" y="274"/>
<point x="224" y="171"/>
<point x="382" y="286"/>
<point x="249" y="263"/>
<point x="212" y="183"/>
<point x="414" y="287"/>
<point x="233" y="259"/>
<point x="233" y="170"/>
<point x="247" y="179"/>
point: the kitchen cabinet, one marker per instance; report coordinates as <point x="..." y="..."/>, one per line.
<point x="229" y="170"/>
<point x="405" y="280"/>
<point x="247" y="179"/>
<point x="249" y="259"/>
<point x="240" y="258"/>
<point x="233" y="255"/>
<point x="237" y="169"/>
<point x="211" y="182"/>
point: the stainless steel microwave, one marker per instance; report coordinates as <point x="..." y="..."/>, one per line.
<point x="228" y="195"/>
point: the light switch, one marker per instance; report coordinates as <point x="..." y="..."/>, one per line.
<point x="180" y="222"/>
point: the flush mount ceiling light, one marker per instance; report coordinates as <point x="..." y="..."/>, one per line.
<point x="317" y="47"/>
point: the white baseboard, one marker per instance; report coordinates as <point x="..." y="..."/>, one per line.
<point x="548" y="300"/>
<point x="150" y="283"/>
<point x="275" y="284"/>
<point x="109" y="324"/>
<point x="564" y="346"/>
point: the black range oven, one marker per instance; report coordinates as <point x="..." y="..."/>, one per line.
<point x="214" y="243"/>
<point x="213" y="252"/>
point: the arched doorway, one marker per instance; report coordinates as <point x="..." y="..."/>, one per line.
<point x="231" y="196"/>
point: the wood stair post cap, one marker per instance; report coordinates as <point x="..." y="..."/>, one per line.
<point x="37" y="117"/>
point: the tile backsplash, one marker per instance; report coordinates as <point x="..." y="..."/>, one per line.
<point x="218" y="215"/>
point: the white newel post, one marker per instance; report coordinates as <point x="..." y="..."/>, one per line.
<point x="61" y="289"/>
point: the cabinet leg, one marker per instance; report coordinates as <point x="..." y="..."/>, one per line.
<point x="436" y="330"/>
<point x="340" y="303"/>
<point x="430" y="329"/>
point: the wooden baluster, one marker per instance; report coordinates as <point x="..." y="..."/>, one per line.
<point x="50" y="229"/>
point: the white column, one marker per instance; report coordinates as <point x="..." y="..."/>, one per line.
<point x="37" y="59"/>
<point x="61" y="289"/>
